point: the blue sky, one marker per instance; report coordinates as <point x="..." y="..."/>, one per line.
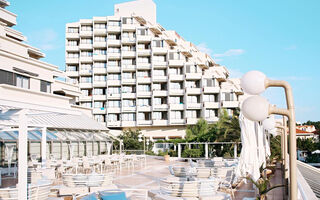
<point x="279" y="38"/>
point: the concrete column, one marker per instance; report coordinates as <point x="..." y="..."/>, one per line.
<point x="206" y="149"/>
<point x="44" y="147"/>
<point x="23" y="156"/>
<point x="179" y="150"/>
<point x="235" y="150"/>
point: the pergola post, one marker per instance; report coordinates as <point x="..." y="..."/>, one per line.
<point x="44" y="147"/>
<point x="23" y="156"/>
<point x="235" y="150"/>
<point x="206" y="150"/>
<point x="179" y="150"/>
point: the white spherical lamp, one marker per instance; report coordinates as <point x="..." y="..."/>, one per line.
<point x="255" y="108"/>
<point x="269" y="123"/>
<point x="253" y="82"/>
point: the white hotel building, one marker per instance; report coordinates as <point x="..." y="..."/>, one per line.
<point x="136" y="74"/>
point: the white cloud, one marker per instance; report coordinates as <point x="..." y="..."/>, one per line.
<point x="45" y="39"/>
<point x="230" y="52"/>
<point x="291" y="48"/>
<point x="204" y="48"/>
<point x="235" y="73"/>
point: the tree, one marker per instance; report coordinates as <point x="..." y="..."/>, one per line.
<point x="131" y="139"/>
<point x="197" y="130"/>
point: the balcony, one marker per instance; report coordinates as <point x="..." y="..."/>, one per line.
<point x="114" y="42"/>
<point x="161" y="107"/>
<point x="85" y="33"/>
<point x="176" y="62"/>
<point x="99" y="44"/>
<point x="144" y="66"/>
<point x="193" y="90"/>
<point x="144" y="38"/>
<point x="212" y="90"/>
<point x="156" y="78"/>
<point x="129" y="109"/>
<point x="85" y="85"/>
<point x="211" y="105"/>
<point x="99" y="70"/>
<point x="128" y="95"/>
<point x="177" y="92"/>
<point x="99" y="97"/>
<point x="193" y="76"/>
<point x="72" y="73"/>
<point x="230" y="104"/>
<point x="72" y="35"/>
<point x="113" y="124"/>
<point x="100" y="32"/>
<point x="114" y="96"/>
<point x="128" y="27"/>
<point x="113" y="82"/>
<point x="144" y="52"/>
<point x="99" y="111"/>
<point x="72" y="60"/>
<point x="86" y="59"/>
<point x="128" y="68"/>
<point x="176" y="77"/>
<point x="176" y="121"/>
<point x="144" y="122"/>
<point x="99" y="84"/>
<point x="143" y="80"/>
<point x="128" y="123"/>
<point x="175" y="106"/>
<point x="72" y="48"/>
<point x="144" y="94"/>
<point x="113" y="29"/>
<point x="85" y="46"/>
<point x="128" y="54"/>
<point x="114" y="110"/>
<point x="114" y="55"/>
<point x="85" y="98"/>
<point x="159" y="50"/>
<point x="113" y="69"/>
<point x="192" y="120"/>
<point x="128" y="81"/>
<point x="99" y="57"/>
<point x="193" y="105"/>
<point x="144" y="108"/>
<point x="126" y="40"/>
<point x="85" y="72"/>
<point x="159" y="64"/>
<point x="212" y="119"/>
<point x="160" y="122"/>
<point x="160" y="93"/>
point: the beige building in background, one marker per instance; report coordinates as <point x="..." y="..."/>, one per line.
<point x="135" y="74"/>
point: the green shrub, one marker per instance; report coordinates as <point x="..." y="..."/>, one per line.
<point x="151" y="153"/>
<point x="191" y="153"/>
<point x="172" y="153"/>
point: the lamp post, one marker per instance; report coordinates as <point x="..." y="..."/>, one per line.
<point x="144" y="142"/>
<point x="257" y="108"/>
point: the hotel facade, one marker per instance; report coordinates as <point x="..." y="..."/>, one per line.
<point x="135" y="74"/>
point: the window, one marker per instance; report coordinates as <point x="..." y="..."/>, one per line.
<point x="114" y="23"/>
<point x="100" y="52"/>
<point x="128" y="75"/>
<point x="98" y="91"/>
<point x="73" y="30"/>
<point x="100" y="78"/>
<point x="209" y="98"/>
<point x="159" y="86"/>
<point x="157" y="43"/>
<point x="86" y="79"/>
<point x="126" y="20"/>
<point x="114" y="36"/>
<point x="86" y="53"/>
<point x="176" y="85"/>
<point x="72" y="68"/>
<point x="100" y="39"/>
<point x="142" y="32"/>
<point x="228" y="96"/>
<point x="114" y="50"/>
<point x="211" y="113"/>
<point x="192" y="84"/>
<point x="144" y="102"/>
<point x="193" y="99"/>
<point x="45" y="86"/>
<point x="7" y="78"/>
<point x="128" y="103"/>
<point x="193" y="113"/>
<point x="73" y="55"/>
<point x="144" y="59"/>
<point x="86" y="28"/>
<point x="99" y="104"/>
<point x="159" y="115"/>
<point x="128" y="89"/>
<point x="159" y="100"/>
<point x="131" y="35"/>
<point x="175" y="70"/>
<point x="100" y="25"/>
<point x="159" y="58"/>
<point x="128" y="117"/>
<point x="114" y="63"/>
<point x="99" y="118"/>
<point x="143" y="46"/>
<point x="113" y="117"/>
<point x="100" y="64"/>
<point x="193" y="69"/>
<point x="176" y="56"/>
<point x="144" y="74"/>
<point x="73" y="80"/>
<point x="72" y="43"/>
<point x="176" y="114"/>
<point x="144" y="116"/>
<point x="209" y="82"/>
<point x="114" y="104"/>
<point x="114" y="77"/>
<point x="86" y="41"/>
<point x="22" y="81"/>
<point x="144" y="88"/>
<point x="86" y="66"/>
<point x="114" y="90"/>
<point x="159" y="72"/>
<point x="87" y="104"/>
<point x="128" y="48"/>
<point x="176" y="100"/>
